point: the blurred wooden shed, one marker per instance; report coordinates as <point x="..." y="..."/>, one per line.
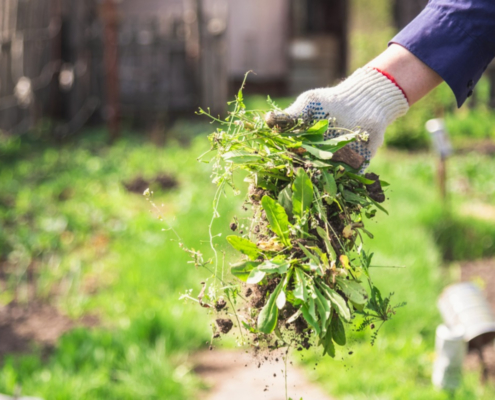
<point x="182" y="44"/>
<point x="291" y="45"/>
<point x="145" y="60"/>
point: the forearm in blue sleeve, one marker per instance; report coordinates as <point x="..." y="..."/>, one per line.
<point x="455" y="38"/>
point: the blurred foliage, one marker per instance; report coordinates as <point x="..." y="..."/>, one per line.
<point x="463" y="238"/>
<point x="95" y="248"/>
<point x="121" y="266"/>
<point x="407" y="257"/>
<point x="371" y="30"/>
<point x="408" y="132"/>
<point x="471" y="175"/>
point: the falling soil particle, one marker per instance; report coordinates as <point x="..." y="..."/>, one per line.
<point x="225" y="325"/>
<point x="233" y="226"/>
<point x="249" y="292"/>
<point x="220" y="304"/>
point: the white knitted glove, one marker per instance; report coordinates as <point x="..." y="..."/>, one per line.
<point x="367" y="100"/>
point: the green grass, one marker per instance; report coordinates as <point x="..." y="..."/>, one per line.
<point x="98" y="249"/>
<point x="64" y="208"/>
<point x="399" y="365"/>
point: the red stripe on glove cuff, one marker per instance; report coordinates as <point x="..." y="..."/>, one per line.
<point x="392" y="79"/>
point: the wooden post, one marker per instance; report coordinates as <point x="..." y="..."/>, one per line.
<point x="442" y="177"/>
<point x="491" y="77"/>
<point x="212" y="24"/>
<point x="109" y="17"/>
<point x="56" y="54"/>
<point x="442" y="145"/>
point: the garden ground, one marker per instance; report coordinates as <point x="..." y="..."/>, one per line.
<point x="76" y="242"/>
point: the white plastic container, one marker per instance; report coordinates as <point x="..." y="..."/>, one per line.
<point x="464" y="304"/>
<point x="450" y="349"/>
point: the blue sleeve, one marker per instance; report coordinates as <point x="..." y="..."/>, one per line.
<point x="455" y="38"/>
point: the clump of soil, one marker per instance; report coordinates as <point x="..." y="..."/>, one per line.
<point x="375" y="190"/>
<point x="220" y="304"/>
<point x="140" y="184"/>
<point x="224" y="324"/>
<point x="260" y="292"/>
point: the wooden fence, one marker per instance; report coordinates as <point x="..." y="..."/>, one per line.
<point x="27" y="65"/>
<point x="52" y="62"/>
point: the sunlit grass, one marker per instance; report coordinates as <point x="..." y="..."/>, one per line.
<point x="131" y="258"/>
<point x="399" y="365"/>
<point x="106" y="254"/>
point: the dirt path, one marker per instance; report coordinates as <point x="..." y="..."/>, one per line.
<point x="235" y="375"/>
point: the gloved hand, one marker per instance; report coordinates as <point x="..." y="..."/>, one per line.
<point x="368" y="100"/>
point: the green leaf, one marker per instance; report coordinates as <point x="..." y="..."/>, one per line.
<point x="338" y="331"/>
<point x="241" y="271"/>
<point x="329" y="184"/>
<point x="308" y="314"/>
<point x="337" y="301"/>
<point x="302" y="193"/>
<point x="353" y="290"/>
<point x="263" y="183"/>
<point x="377" y="303"/>
<point x="275" y="265"/>
<point x="320" y="164"/>
<point x="308" y="254"/>
<point x="324" y="308"/>
<point x="300" y="291"/>
<point x="281" y="299"/>
<point x="377" y="205"/>
<point x="311" y="303"/>
<point x="267" y="319"/>
<point x="241" y="157"/>
<point x="245" y="246"/>
<point x="323" y="234"/>
<point x="312" y="138"/>
<point x="339" y="141"/>
<point x="279" y="221"/>
<point x="328" y="346"/>
<point x="360" y="178"/>
<point x="248" y="327"/>
<point x="319" y="127"/>
<point x="285" y="200"/>
<point x="321" y="154"/>
<point x="320" y="209"/>
<point x="255" y="276"/>
<point x="354" y="198"/>
<point x="294" y="316"/>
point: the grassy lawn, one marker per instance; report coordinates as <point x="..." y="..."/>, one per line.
<point x="97" y="249"/>
<point x="399" y="365"/>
